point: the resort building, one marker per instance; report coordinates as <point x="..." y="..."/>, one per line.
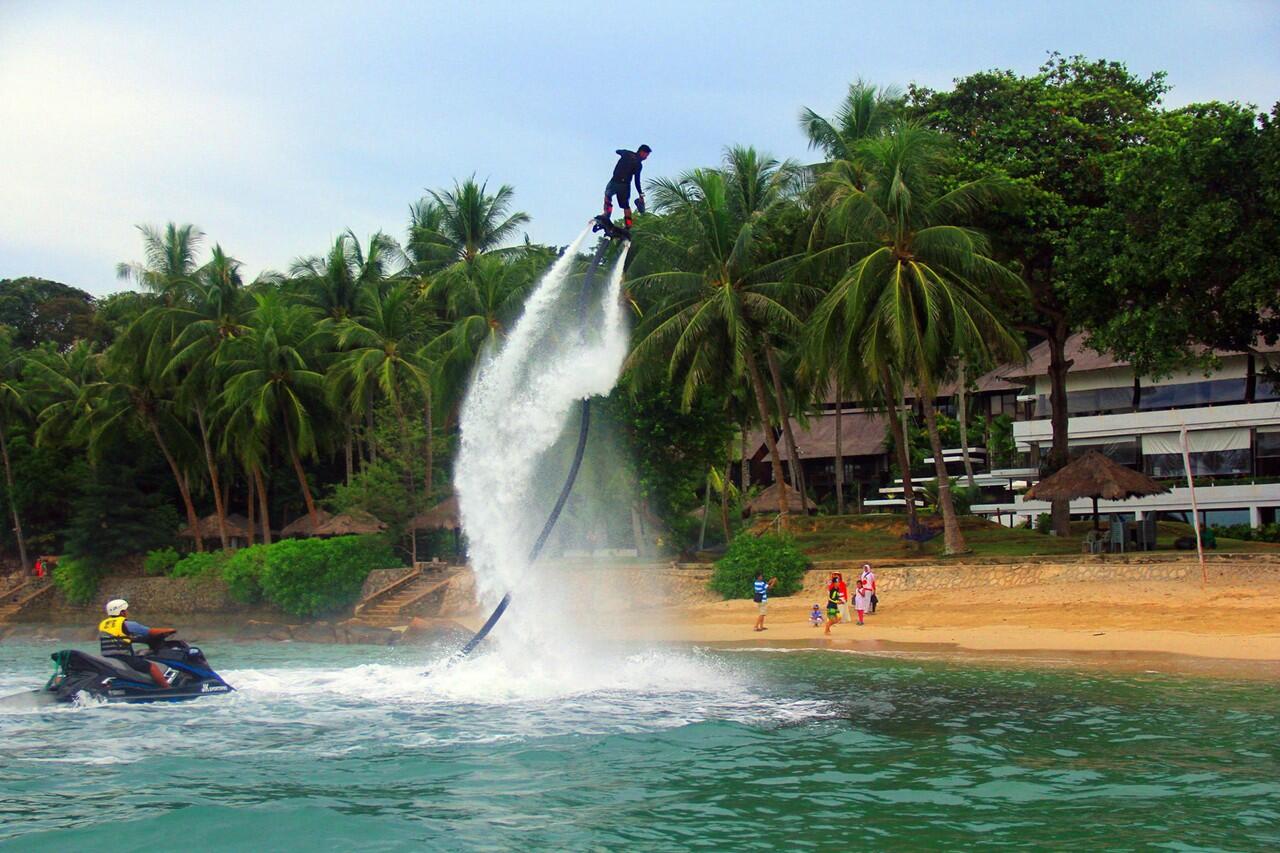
<point x="1231" y="418"/>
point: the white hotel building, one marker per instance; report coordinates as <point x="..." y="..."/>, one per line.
<point x="1232" y="418"/>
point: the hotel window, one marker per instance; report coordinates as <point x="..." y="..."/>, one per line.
<point x="1190" y="394"/>
<point x="1213" y="452"/>
<point x="1268" y="453"/>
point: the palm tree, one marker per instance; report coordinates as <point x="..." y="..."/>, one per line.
<point x="919" y="282"/>
<point x="864" y="113"/>
<point x="271" y="384"/>
<point x="171" y="259"/>
<point x="13" y="407"/>
<point x="718" y="301"/>
<point x="199" y="326"/>
<point x="381" y="358"/>
<point x="461" y="224"/>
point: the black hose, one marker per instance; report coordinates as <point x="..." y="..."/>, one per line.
<point x="573" y="468"/>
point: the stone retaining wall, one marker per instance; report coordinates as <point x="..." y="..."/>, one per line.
<point x="151" y="598"/>
<point x="380" y="579"/>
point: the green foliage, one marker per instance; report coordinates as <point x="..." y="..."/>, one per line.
<point x="1191" y="218"/>
<point x="160" y="561"/>
<point x="243" y="571"/>
<point x="118" y="514"/>
<point x="317" y="577"/>
<point x="776" y="556"/>
<point x="77" y="579"/>
<point x="39" y="310"/>
<point x="1002" y="450"/>
<point x="673" y="448"/>
<point x="1266" y="533"/>
<point x="962" y="497"/>
<point x="200" y="565"/>
<point x="1044" y="523"/>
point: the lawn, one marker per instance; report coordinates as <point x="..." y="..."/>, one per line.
<point x="852" y="537"/>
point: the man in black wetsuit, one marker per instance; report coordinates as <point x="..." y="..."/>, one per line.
<point x="627" y="170"/>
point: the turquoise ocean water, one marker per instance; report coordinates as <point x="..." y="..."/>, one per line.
<point x="330" y="747"/>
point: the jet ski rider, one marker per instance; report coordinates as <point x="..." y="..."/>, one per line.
<point x="627" y="170"/>
<point x="116" y="634"/>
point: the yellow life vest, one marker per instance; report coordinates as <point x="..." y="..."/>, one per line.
<point x="112" y="638"/>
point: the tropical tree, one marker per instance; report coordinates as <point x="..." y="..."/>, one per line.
<point x="381" y="359"/>
<point x="460" y="225"/>
<point x="13" y="408"/>
<point x="272" y="386"/>
<point x="919" y="284"/>
<point x="171" y="259"/>
<point x="718" y="302"/>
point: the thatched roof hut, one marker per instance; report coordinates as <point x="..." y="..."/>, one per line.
<point x="1095" y="476"/>
<point x="767" y="501"/>
<point x="207" y="527"/>
<point x="354" y="523"/>
<point x="301" y="526"/>
<point x="442" y="516"/>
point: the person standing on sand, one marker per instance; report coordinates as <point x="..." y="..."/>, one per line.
<point x="834" y="601"/>
<point x="861" y="598"/>
<point x="760" y="593"/>
<point x="837" y="580"/>
<point x="869" y="578"/>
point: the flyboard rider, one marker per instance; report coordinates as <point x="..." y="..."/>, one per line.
<point x="116" y="634"/>
<point x="619" y="186"/>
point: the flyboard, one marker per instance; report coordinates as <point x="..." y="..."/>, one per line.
<point x="612" y="231"/>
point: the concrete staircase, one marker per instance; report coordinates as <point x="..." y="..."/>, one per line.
<point x="398" y="603"/>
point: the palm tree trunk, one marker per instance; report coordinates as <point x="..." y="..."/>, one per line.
<point x="963" y="416"/>
<point x="413" y="490"/>
<point x="219" y="507"/>
<point x="302" y="479"/>
<point x="797" y="467"/>
<point x="757" y="385"/>
<point x="252" y="513"/>
<point x="746" y="463"/>
<point x="266" y="507"/>
<point x="13" y="503"/>
<point x="350" y="459"/>
<point x="839" y="455"/>
<point x="429" y="423"/>
<point x="706" y="511"/>
<point x="724" y="498"/>
<point x="368" y="436"/>
<point x="1059" y="417"/>
<point x="904" y="454"/>
<point x="192" y="520"/>
<point x="952" y="538"/>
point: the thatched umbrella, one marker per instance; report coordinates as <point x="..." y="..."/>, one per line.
<point x="1095" y="476"/>
<point x="207" y="527"/>
<point x="767" y="501"/>
<point x="442" y="516"/>
<point x="301" y="526"/>
<point x="354" y="523"/>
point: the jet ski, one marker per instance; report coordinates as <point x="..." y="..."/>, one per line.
<point x="104" y="678"/>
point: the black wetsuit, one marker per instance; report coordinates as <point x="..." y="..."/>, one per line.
<point x="627" y="170"/>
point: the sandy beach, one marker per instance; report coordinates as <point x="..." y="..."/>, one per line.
<point x="1231" y="621"/>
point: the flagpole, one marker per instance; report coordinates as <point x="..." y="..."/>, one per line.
<point x="1195" y="509"/>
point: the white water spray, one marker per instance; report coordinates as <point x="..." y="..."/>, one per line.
<point x="520" y="403"/>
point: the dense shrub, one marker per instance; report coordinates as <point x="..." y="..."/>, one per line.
<point x="776" y="556"/>
<point x="317" y="577"/>
<point x="1266" y="533"/>
<point x="1044" y="523"/>
<point x="200" y="565"/>
<point x="160" y="561"/>
<point x="243" y="571"/>
<point x="77" y="579"/>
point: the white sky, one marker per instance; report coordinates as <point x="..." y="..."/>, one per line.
<point x="275" y="130"/>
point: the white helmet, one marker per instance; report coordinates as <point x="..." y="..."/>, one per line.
<point x="116" y="606"/>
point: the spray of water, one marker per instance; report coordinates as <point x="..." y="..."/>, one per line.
<point x="521" y="402"/>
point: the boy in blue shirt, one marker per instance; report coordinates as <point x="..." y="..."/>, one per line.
<point x="760" y="594"/>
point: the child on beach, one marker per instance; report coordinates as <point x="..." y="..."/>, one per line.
<point x="861" y="598"/>
<point x="833" y="607"/>
<point x="815" y="616"/>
